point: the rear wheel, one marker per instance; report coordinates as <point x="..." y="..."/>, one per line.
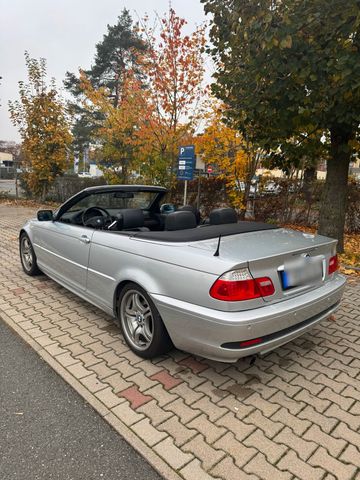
<point x="27" y="256"/>
<point x="141" y="323"/>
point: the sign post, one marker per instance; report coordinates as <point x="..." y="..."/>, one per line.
<point x="186" y="164"/>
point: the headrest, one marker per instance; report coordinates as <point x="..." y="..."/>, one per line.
<point x="131" y="218"/>
<point x="180" y="220"/>
<point x="222" y="215"/>
<point x="190" y="208"/>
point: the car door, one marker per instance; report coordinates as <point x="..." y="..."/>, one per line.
<point x="62" y="251"/>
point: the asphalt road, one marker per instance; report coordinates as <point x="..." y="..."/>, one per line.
<point x="47" y="432"/>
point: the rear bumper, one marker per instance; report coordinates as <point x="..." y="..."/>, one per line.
<point x="203" y="331"/>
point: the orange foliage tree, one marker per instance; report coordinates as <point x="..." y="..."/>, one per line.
<point x="234" y="157"/>
<point x="156" y="111"/>
<point x="120" y="126"/>
<point x="174" y="67"/>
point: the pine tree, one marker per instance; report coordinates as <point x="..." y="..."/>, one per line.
<point x="115" y="54"/>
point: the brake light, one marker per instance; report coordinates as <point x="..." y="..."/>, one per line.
<point x="239" y="285"/>
<point x="333" y="264"/>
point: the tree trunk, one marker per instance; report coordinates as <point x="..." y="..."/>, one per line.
<point x="308" y="187"/>
<point x="334" y="198"/>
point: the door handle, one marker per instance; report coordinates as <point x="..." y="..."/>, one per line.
<point x="84" y="239"/>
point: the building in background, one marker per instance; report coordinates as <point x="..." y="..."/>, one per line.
<point x="6" y="160"/>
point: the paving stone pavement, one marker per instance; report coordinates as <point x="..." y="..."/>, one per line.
<point x="293" y="414"/>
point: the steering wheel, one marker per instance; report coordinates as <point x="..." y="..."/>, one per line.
<point x="91" y="212"/>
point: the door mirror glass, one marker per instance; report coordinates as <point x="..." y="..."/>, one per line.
<point x="45" y="215"/>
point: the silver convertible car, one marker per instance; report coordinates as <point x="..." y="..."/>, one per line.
<point x="222" y="290"/>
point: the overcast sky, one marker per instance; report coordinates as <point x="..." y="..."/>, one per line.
<point x="65" y="33"/>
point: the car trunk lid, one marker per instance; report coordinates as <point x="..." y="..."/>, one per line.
<point x="294" y="261"/>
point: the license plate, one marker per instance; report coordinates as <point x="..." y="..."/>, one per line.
<point x="302" y="271"/>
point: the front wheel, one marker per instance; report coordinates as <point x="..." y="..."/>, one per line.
<point x="141" y="323"/>
<point x="27" y="256"/>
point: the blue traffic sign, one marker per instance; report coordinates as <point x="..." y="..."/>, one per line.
<point x="186" y="162"/>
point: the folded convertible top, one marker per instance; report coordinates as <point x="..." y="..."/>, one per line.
<point x="205" y="232"/>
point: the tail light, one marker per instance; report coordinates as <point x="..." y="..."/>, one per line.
<point x="239" y="285"/>
<point x="333" y="264"/>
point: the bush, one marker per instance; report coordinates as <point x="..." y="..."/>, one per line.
<point x="212" y="193"/>
<point x="299" y="205"/>
<point x="352" y="223"/>
<point x="68" y="185"/>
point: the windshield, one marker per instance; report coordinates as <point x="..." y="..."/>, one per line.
<point x="116" y="200"/>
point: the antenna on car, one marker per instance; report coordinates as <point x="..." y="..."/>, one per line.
<point x="217" y="252"/>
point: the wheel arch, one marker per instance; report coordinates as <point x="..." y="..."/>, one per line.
<point x="140" y="278"/>
<point x="117" y="292"/>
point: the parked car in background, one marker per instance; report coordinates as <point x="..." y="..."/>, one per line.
<point x="85" y="175"/>
<point x="223" y="290"/>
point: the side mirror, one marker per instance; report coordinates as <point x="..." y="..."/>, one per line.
<point x="45" y="215"/>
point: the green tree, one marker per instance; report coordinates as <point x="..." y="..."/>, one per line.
<point x="290" y="73"/>
<point x="115" y="54"/>
<point x="40" y="118"/>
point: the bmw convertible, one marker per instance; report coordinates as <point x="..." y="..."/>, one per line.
<point x="223" y="289"/>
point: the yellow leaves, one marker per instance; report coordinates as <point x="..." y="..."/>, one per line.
<point x="43" y="126"/>
<point x="286" y="42"/>
<point x="224" y="147"/>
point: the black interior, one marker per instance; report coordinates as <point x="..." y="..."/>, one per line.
<point x="180" y="220"/>
<point x="220" y="216"/>
<point x="147" y="222"/>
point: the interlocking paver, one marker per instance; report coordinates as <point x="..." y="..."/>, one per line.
<point x="180" y="433"/>
<point x="168" y="381"/>
<point x="155" y="413"/>
<point x="208" y="455"/>
<point x="294" y="414"/>
<point x="162" y="396"/>
<point x="185" y="413"/>
<point x="273" y="451"/>
<point x="126" y="414"/>
<point x="108" y="397"/>
<point x="269" y="427"/>
<point x="240" y="429"/>
<point x="303" y="448"/>
<point x="227" y="470"/>
<point x="301" y="470"/>
<point x="148" y="433"/>
<point x="212" y="411"/>
<point x="322" y="459"/>
<point x="333" y="446"/>
<point x="351" y="455"/>
<point x="135" y="397"/>
<point x="241" y="454"/>
<point x="325" y="423"/>
<point x="208" y="429"/>
<point x="172" y="454"/>
<point x="260" y="466"/>
<point x="346" y="433"/>
<point x="194" y="470"/>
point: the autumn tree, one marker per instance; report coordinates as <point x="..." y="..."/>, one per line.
<point x="118" y="133"/>
<point x="115" y="54"/>
<point x="43" y="126"/>
<point x="174" y="67"/>
<point x="235" y="158"/>
<point x="290" y="71"/>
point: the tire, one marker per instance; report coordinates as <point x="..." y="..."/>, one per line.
<point x="141" y="324"/>
<point x="28" y="257"/>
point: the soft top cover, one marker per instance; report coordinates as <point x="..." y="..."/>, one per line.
<point x="205" y="232"/>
